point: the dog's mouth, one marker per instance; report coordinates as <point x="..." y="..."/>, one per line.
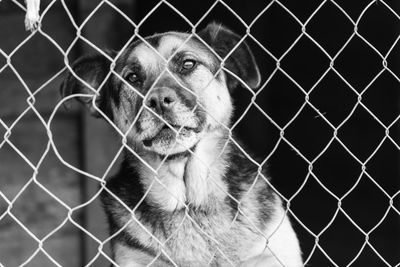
<point x="168" y="133"/>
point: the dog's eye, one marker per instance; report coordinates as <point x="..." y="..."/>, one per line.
<point x="133" y="78"/>
<point x="188" y="64"/>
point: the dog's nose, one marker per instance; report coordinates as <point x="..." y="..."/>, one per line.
<point x="161" y="100"/>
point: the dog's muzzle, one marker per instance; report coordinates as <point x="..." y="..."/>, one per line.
<point x="174" y="117"/>
<point x="162" y="100"/>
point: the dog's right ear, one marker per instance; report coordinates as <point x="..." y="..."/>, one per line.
<point x="241" y="60"/>
<point x="92" y="69"/>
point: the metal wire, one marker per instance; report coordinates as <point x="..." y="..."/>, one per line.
<point x="51" y="146"/>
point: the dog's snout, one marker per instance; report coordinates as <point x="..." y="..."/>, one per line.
<point x="161" y="100"/>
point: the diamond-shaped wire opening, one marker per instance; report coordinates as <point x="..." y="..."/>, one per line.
<point x="60" y="180"/>
<point x="231" y="19"/>
<point x="329" y="169"/>
<point x="152" y="24"/>
<point x="93" y="229"/>
<point x="281" y="99"/>
<point x="354" y="10"/>
<point x="338" y="234"/>
<point x="369" y="257"/>
<point x="277" y="22"/>
<point x="330" y="28"/>
<point x="22" y="140"/>
<point x="193" y="11"/>
<point x="51" y="214"/>
<point x="313" y="195"/>
<point x="301" y="10"/>
<point x="361" y="134"/>
<point x="47" y="59"/>
<point x="381" y="169"/>
<point x="250" y="133"/>
<point x="375" y="18"/>
<point x="41" y="259"/>
<point x="319" y="257"/>
<point x="47" y="97"/>
<point x="17" y="173"/>
<point x="365" y="204"/>
<point x="66" y="129"/>
<point x="381" y="98"/>
<point x="358" y="64"/>
<point x="305" y="63"/>
<point x="387" y="232"/>
<point x="296" y="174"/>
<point x="330" y="91"/>
<point x="57" y="18"/>
<point x="67" y="240"/>
<point x="309" y="133"/>
<point x="12" y="235"/>
<point x="12" y="92"/>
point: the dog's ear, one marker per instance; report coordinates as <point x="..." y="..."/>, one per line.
<point x="92" y="69"/>
<point x="241" y="61"/>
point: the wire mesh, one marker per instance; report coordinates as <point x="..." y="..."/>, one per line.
<point x="51" y="147"/>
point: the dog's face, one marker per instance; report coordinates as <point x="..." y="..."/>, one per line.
<point x="169" y="91"/>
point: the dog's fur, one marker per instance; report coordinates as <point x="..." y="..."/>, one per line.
<point x="206" y="204"/>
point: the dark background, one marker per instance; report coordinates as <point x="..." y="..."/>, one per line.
<point x="350" y="95"/>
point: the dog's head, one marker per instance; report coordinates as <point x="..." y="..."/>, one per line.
<point x="169" y="91"/>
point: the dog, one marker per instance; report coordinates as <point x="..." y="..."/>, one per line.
<point x="185" y="194"/>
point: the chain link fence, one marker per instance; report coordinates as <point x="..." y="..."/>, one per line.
<point x="328" y="73"/>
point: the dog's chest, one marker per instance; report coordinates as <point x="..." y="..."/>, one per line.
<point x="186" y="215"/>
<point x="195" y="238"/>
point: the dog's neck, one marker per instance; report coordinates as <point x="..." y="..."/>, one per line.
<point x="194" y="179"/>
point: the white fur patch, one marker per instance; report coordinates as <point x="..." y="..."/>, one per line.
<point x="283" y="246"/>
<point x="147" y="56"/>
<point x="283" y="241"/>
<point x="204" y="172"/>
<point x="213" y="95"/>
<point x="168" y="189"/>
<point x="167" y="43"/>
<point x="127" y="257"/>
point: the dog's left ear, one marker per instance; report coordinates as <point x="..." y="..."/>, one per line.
<point x="93" y="69"/>
<point x="241" y="61"/>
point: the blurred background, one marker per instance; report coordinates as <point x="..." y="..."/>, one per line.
<point x="367" y="130"/>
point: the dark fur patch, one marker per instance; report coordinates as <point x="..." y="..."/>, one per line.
<point x="241" y="61"/>
<point x="154" y="40"/>
<point x="127" y="239"/>
<point x="239" y="177"/>
<point x="93" y="69"/>
<point x="187" y="98"/>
